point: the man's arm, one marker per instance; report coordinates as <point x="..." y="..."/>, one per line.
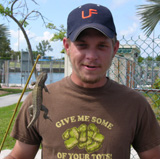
<point x="153" y="153"/>
<point x="22" y="150"/>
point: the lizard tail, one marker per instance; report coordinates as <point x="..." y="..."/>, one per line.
<point x="32" y="121"/>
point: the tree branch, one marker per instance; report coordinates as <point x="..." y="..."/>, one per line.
<point x="13" y="6"/>
<point x="27" y="17"/>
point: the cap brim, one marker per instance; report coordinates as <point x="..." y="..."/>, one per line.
<point x="106" y="31"/>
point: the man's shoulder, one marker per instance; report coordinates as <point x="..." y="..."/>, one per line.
<point x="126" y="91"/>
<point x="119" y="87"/>
<point x="61" y="84"/>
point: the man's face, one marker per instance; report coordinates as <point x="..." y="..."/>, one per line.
<point x="91" y="56"/>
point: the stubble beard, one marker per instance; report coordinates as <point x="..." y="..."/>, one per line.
<point x="88" y="80"/>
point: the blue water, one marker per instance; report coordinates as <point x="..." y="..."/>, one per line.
<point x="18" y="78"/>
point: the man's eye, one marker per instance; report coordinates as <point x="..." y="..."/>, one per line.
<point x="103" y="46"/>
<point x="81" y="45"/>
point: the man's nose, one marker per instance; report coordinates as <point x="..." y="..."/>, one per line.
<point x="91" y="54"/>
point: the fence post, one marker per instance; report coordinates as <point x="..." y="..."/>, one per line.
<point x="159" y="71"/>
<point x="6" y="70"/>
<point x="146" y="72"/>
<point x="51" y="72"/>
<point x="1" y="70"/>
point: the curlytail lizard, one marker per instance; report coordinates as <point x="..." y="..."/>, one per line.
<point x="36" y="107"/>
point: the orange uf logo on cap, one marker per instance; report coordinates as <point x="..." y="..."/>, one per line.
<point x="91" y="11"/>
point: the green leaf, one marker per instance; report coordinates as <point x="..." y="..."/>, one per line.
<point x="149" y="16"/>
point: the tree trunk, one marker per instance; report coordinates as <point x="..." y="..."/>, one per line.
<point x="28" y="42"/>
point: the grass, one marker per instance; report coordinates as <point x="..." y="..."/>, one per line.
<point x="11" y="91"/>
<point x="5" y="117"/>
<point x="6" y="114"/>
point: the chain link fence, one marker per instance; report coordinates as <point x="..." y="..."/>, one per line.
<point x="136" y="65"/>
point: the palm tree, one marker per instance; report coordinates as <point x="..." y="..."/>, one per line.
<point x="150" y="15"/>
<point x="3" y="31"/>
<point x="4" y="41"/>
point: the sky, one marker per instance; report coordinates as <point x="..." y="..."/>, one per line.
<point x="56" y="11"/>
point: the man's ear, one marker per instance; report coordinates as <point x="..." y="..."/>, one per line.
<point x="116" y="47"/>
<point x="66" y="45"/>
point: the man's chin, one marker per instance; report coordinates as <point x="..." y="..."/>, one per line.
<point x="90" y="80"/>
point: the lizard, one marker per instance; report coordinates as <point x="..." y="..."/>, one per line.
<point x="37" y="97"/>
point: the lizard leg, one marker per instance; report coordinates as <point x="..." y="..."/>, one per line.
<point x="45" y="88"/>
<point x="33" y="83"/>
<point x="45" y="115"/>
<point x="30" y="110"/>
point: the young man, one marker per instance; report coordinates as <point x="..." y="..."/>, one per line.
<point x="92" y="116"/>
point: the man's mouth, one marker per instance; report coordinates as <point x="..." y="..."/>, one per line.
<point x="90" y="66"/>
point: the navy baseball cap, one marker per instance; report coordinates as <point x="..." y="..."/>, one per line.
<point x="90" y="16"/>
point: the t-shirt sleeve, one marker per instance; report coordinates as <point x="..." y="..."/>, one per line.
<point x="20" y="131"/>
<point x="148" y="130"/>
